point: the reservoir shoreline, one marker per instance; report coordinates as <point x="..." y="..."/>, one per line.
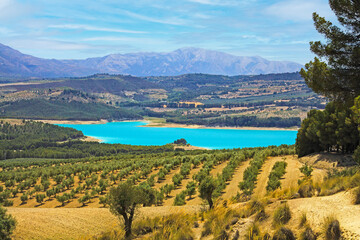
<point x="150" y="123"/>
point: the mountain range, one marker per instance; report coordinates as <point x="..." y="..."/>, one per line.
<point x="182" y="61"/>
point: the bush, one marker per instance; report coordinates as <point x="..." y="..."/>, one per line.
<point x="331" y="228"/>
<point x="357" y="196"/>
<point x="306" y="190"/>
<point x="308" y="234"/>
<point x="284" y="234"/>
<point x="173" y="226"/>
<point x="282" y="215"/>
<point x="255" y="206"/>
<point x="306" y="170"/>
<point x="253" y="232"/>
<point x="303" y="220"/>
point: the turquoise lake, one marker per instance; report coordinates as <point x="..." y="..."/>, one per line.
<point x="133" y="133"/>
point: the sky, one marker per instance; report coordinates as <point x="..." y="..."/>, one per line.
<point x="77" y="29"/>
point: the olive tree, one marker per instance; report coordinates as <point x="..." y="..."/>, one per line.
<point x="206" y="190"/>
<point x="123" y="201"/>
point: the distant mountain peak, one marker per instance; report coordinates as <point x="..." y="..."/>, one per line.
<point x="181" y="61"/>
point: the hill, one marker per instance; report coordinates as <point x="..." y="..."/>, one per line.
<point x="186" y="60"/>
<point x="63" y="110"/>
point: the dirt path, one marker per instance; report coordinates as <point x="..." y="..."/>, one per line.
<point x="293" y="174"/>
<point x="262" y="179"/>
<point x="233" y="188"/>
<point x="218" y="168"/>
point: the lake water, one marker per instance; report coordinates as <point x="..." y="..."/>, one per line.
<point x="133" y="133"/>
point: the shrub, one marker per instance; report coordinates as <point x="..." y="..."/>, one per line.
<point x="306" y="170"/>
<point x="173" y="226"/>
<point x="254" y="206"/>
<point x="8" y="203"/>
<point x="306" y="190"/>
<point x="357" y="196"/>
<point x="282" y="215"/>
<point x="284" y="234"/>
<point x="331" y="228"/>
<point x="308" y="234"/>
<point x="253" y="232"/>
<point x="303" y="220"/>
<point x="217" y="220"/>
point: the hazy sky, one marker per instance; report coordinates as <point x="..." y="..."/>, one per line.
<point x="276" y="30"/>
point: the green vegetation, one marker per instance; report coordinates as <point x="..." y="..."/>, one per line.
<point x="308" y="234"/>
<point x="181" y="141"/>
<point x="282" y="215"/>
<point x="271" y="100"/>
<point x="337" y="77"/>
<point x="123" y="201"/>
<point x="276" y="173"/>
<point x="357" y="196"/>
<point x="331" y="228"/>
<point x="63" y="110"/>
<point x="336" y="128"/>
<point x="284" y="234"/>
<point x="333" y="129"/>
<point x="40" y="140"/>
<point x="7" y="224"/>
<point x="250" y="174"/>
<point x="206" y="190"/>
<point x="239" y="121"/>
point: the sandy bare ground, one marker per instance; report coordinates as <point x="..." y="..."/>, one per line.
<point x="262" y="179"/>
<point x="232" y="188"/>
<point x="339" y="205"/>
<point x="290" y="179"/>
<point x="91" y="139"/>
<point x="218" y="168"/>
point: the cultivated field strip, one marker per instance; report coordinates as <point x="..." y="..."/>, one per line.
<point x="233" y="186"/>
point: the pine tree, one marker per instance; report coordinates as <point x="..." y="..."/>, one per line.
<point x="337" y="73"/>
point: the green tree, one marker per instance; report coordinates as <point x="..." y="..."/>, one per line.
<point x="40" y="198"/>
<point x="123" y="201"/>
<point x="7" y="224"/>
<point x="191" y="189"/>
<point x="206" y="189"/>
<point x="338" y="78"/>
<point x="180" y="199"/>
